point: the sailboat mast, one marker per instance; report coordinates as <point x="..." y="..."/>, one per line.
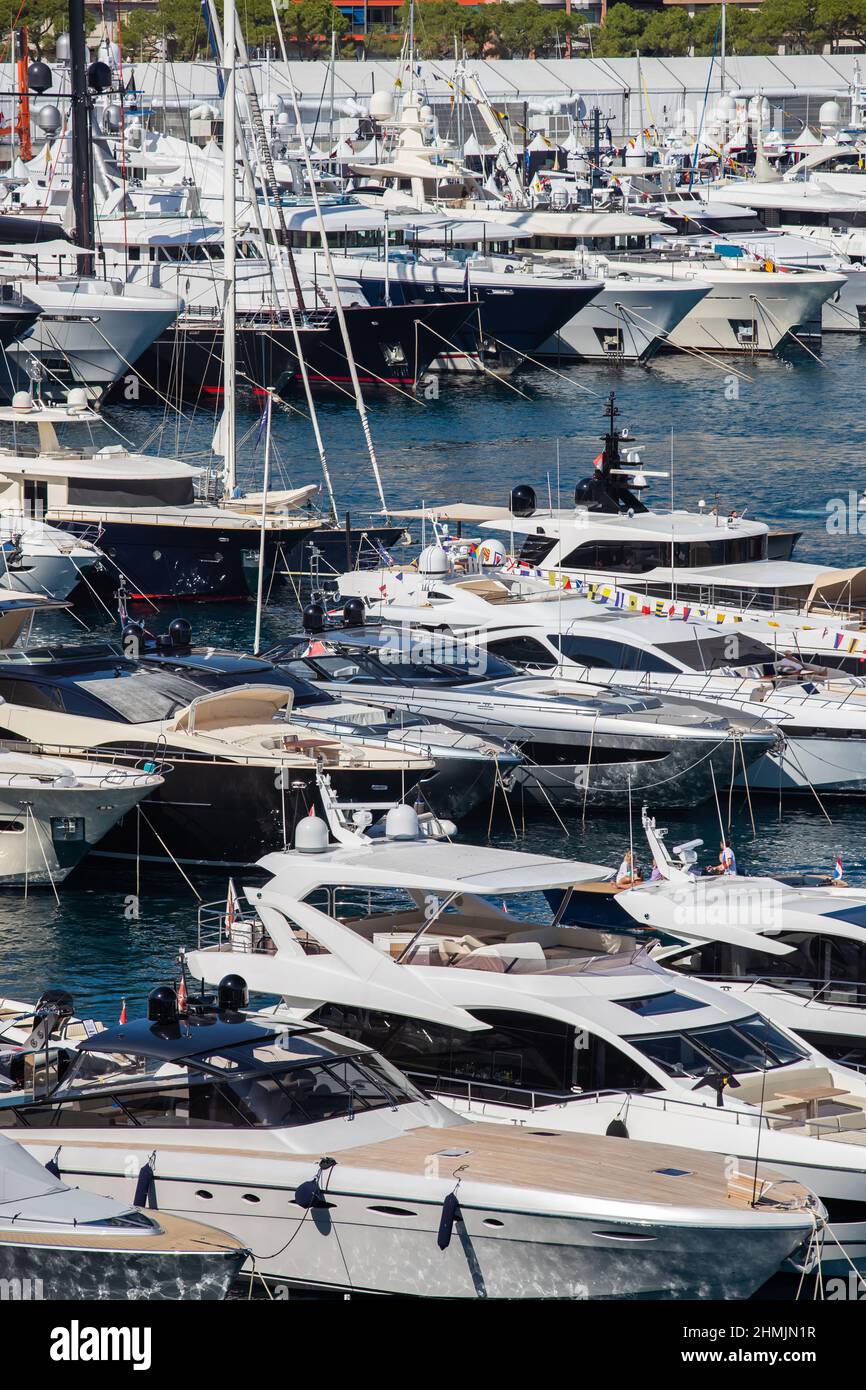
<point x="229" y="234"/>
<point x="82" y="151"/>
<point x="335" y="289"/>
<point x="266" y="482"/>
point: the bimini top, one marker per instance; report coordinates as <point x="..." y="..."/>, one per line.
<point x="427" y="866"/>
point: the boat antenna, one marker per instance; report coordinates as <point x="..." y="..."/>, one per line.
<point x="227" y="424"/>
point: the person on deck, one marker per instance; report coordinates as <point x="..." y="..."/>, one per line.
<point x="727" y="861"/>
<point x="627" y="874"/>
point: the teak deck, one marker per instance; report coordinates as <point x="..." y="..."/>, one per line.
<point x="178" y="1235"/>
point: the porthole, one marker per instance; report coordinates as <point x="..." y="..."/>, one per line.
<point x="251" y="1197"/>
<point x="493" y="1221"/>
<point x="205" y="1196"/>
<point x="392" y="1211"/>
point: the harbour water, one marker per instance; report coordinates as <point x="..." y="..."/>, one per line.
<point x="776" y="436"/>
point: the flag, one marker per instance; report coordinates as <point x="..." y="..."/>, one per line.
<point x="838" y="872"/>
<point x="181" y="996"/>
<point x="122" y="1018"/>
<point x="233" y="907"/>
<point x="311" y="812"/>
<point x="598" y="461"/>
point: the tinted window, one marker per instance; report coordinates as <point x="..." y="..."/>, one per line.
<point x="522" y="651"/>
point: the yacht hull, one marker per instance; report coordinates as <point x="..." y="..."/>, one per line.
<point x="626" y="322"/>
<point x="185" y="561"/>
<point x="45" y="833"/>
<point x="378" y="1231"/>
<point x="218" y="814"/>
<point x="60" y="1272"/>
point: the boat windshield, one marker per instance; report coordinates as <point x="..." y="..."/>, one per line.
<point x="367" y="668"/>
<point x="139" y="696"/>
<point x="283" y="1082"/>
<point x="751" y="1044"/>
<point x="733" y="649"/>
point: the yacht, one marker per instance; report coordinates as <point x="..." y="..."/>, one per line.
<point x="778" y="223"/>
<point x="156" y="536"/>
<point x="818" y="710"/>
<point x="58" y="1242"/>
<point x="41" y="559"/>
<point x="53" y="811"/>
<point x="83" y="331"/>
<point x="563" y="1028"/>
<point x="624" y="553"/>
<point x="583" y="743"/>
<point x="789" y="944"/>
<point x="242" y="772"/>
<point x="337" y="1172"/>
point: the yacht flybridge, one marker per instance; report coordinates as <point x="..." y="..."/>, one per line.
<point x="337" y="1172"/>
<point x="435" y="954"/>
<point x="156" y="535"/>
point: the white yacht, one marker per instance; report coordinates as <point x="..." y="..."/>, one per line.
<point x="583" y="743"/>
<point x="569" y="1029"/>
<point x="58" y="1242"/>
<point x="819" y="711"/>
<point x="36" y="558"/>
<point x="335" y="1171"/>
<point x="625" y="553"/>
<point x="54" y="810"/>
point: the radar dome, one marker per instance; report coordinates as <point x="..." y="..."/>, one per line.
<point x="381" y="106"/>
<point x="830" y="116"/>
<point x="401" y="823"/>
<point x="22" y="400"/>
<point x="76" y="399"/>
<point x="311" y="835"/>
<point x="433" y="560"/>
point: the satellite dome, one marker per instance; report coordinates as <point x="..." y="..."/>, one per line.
<point x="22" y="400"/>
<point x="433" y="560"/>
<point x="381" y="106"/>
<point x="492" y="554"/>
<point x="401" y="823"/>
<point x="311" y="835"/>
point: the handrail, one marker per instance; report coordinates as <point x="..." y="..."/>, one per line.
<point x="790" y="982"/>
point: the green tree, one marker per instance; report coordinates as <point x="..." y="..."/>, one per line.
<point x="620" y="34"/>
<point x="439" y="22"/>
<point x="740" y="35"/>
<point x="793" y="23"/>
<point x="842" y="19"/>
<point x="667" y="34"/>
<point x="42" y="19"/>
<point x="309" y="23"/>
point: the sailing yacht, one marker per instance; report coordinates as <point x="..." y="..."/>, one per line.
<point x="337" y="1172"/>
<point x="154" y="533"/>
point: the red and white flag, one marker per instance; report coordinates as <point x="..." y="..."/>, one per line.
<point x="181" y="996"/>
<point x="122" y="1018"/>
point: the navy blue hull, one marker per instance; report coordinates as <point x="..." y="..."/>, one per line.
<point x="159" y="562"/>
<point x="520" y="316"/>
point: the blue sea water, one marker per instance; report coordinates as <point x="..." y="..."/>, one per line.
<point x="778" y="437"/>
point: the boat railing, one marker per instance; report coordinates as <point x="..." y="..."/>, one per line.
<point x="850" y="993"/>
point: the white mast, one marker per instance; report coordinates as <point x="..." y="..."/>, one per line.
<point x="263" y="530"/>
<point x="335" y="289"/>
<point x="229" y="233"/>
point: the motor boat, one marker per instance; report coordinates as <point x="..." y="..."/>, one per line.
<point x="547" y="631"/>
<point x="242" y="772"/>
<point x="337" y="1172"/>
<point x="59" y="1243"/>
<point x="584" y="1031"/>
<point x="583" y="743"/>
<point x="54" y="810"/>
